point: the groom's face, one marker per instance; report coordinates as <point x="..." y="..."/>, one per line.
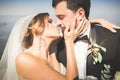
<point x="64" y="15"/>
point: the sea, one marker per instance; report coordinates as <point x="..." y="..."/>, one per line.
<point x="6" y="24"/>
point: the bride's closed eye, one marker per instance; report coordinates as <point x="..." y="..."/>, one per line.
<point x="50" y="21"/>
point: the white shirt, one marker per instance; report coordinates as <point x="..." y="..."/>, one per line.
<point x="81" y="47"/>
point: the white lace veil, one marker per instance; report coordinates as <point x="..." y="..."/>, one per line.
<point x="12" y="49"/>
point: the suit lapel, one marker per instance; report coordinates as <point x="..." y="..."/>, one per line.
<point x="93" y="33"/>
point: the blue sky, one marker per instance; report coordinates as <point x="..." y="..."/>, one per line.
<point x="24" y="7"/>
<point x="108" y="9"/>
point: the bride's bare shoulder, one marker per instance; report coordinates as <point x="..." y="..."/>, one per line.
<point x="22" y="57"/>
<point x="22" y="60"/>
<point x="25" y="58"/>
<point x="25" y="63"/>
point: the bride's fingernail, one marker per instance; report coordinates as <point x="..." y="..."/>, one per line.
<point x="67" y="24"/>
<point x="61" y="34"/>
<point x="114" y="31"/>
<point x="76" y="16"/>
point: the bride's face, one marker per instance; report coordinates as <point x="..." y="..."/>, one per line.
<point x="51" y="29"/>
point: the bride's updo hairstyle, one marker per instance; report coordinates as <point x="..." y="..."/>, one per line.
<point x="28" y="38"/>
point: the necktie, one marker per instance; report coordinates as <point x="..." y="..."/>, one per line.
<point x="82" y="38"/>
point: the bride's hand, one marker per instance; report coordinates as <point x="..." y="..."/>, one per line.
<point x="70" y="34"/>
<point x="106" y="24"/>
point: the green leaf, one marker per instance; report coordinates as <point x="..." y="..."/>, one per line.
<point x="108" y="66"/>
<point x="117" y="75"/>
<point x="96" y="45"/>
<point x="103" y="49"/>
<point x="96" y="49"/>
<point x="106" y="71"/>
<point x="107" y="76"/>
<point x="90" y="40"/>
<point x="99" y="57"/>
<point x="102" y="77"/>
<point x="89" y="52"/>
<point x="105" y="66"/>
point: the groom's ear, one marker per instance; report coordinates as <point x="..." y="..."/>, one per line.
<point x="80" y="13"/>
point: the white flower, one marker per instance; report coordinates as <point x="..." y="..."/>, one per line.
<point x="96" y="51"/>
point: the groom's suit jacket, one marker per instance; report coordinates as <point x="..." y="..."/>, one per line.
<point x="111" y="58"/>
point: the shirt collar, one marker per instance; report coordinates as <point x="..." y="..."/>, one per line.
<point x="87" y="32"/>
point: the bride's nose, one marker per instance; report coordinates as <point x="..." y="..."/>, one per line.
<point x="55" y="25"/>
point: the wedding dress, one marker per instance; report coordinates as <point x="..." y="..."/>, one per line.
<point x="13" y="48"/>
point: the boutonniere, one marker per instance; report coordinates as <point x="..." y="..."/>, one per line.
<point x="96" y="51"/>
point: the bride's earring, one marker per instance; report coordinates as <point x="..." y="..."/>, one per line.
<point x="42" y="42"/>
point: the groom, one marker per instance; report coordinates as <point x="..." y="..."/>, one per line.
<point x="103" y="59"/>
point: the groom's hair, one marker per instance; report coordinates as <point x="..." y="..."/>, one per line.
<point x="74" y="5"/>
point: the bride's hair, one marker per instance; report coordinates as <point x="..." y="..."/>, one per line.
<point x="28" y="38"/>
<point x="21" y="33"/>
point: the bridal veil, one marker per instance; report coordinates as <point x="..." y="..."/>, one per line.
<point x="12" y="49"/>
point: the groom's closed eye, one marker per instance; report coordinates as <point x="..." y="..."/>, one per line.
<point x="61" y="17"/>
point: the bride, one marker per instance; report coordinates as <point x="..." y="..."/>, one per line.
<point x="38" y="59"/>
<point x="30" y="53"/>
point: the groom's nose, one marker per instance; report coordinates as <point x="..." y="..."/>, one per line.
<point x="59" y="23"/>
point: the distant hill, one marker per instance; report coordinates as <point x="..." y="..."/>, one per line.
<point x="3" y="23"/>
